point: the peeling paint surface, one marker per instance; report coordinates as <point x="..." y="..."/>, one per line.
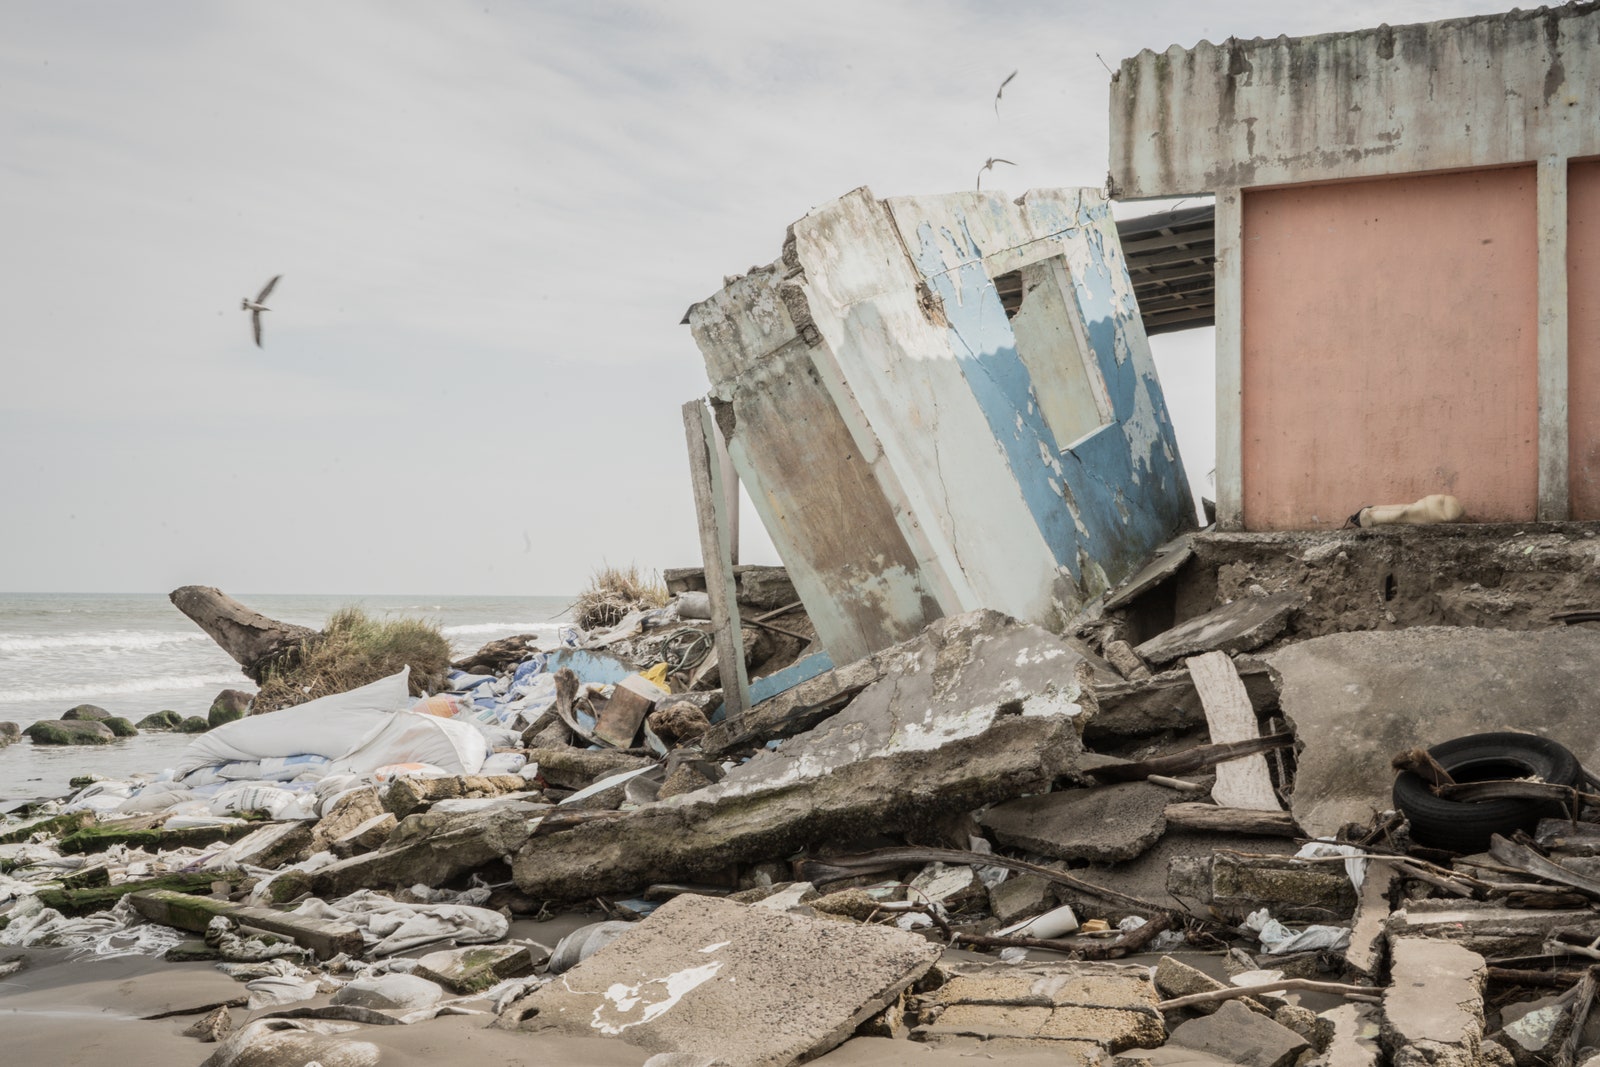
<point x="965" y="494"/>
<point x="626" y="1006"/>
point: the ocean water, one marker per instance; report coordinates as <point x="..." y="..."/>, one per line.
<point x="135" y="654"/>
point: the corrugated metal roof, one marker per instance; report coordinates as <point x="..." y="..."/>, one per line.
<point x="1172" y="259"/>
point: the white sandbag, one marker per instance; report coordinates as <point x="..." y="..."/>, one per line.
<point x="407" y="737"/>
<point x="329" y="727"/>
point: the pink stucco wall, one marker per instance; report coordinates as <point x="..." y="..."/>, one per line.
<point x="1583" y="336"/>
<point x="1389" y="347"/>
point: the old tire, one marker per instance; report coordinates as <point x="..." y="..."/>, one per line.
<point x="1466" y="826"/>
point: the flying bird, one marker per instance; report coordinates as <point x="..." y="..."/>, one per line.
<point x="989" y="165"/>
<point x="257" y="306"/>
<point x="1000" y="90"/>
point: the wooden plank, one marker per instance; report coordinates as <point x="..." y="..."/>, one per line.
<point x="730" y="489"/>
<point x="710" y="512"/>
<point x="1231" y="820"/>
<point x="1242" y="783"/>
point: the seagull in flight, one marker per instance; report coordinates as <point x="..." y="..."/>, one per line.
<point x="988" y="165"/>
<point x="258" y="305"/>
<point x="1002" y="89"/>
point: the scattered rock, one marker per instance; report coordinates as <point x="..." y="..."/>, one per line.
<point x="120" y="726"/>
<point x="10" y="734"/>
<point x="69" y="732"/>
<point x="194" y="724"/>
<point x="85" y="713"/>
<point x="679" y="722"/>
<point x="348" y="811"/>
<point x="213" y="1026"/>
<point x="472" y="970"/>
<point x="161" y="721"/>
<point x="366" y="837"/>
<point x="228" y="706"/>
<point x="1238" y="1035"/>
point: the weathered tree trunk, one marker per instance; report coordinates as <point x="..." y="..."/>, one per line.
<point x="252" y="639"/>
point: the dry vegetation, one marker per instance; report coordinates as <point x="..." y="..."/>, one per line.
<point x="351" y="651"/>
<point x="613" y="593"/>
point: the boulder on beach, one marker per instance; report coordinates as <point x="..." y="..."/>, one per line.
<point x="194" y="724"/>
<point x="70" y="732"/>
<point x="84" y="712"/>
<point x="229" y="705"/>
<point x="161" y="720"/>
<point x="10" y="733"/>
<point x="120" y="726"/>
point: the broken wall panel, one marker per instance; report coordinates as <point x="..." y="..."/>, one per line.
<point x="1583" y="336"/>
<point x="1022" y="464"/>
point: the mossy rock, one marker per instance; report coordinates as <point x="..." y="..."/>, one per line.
<point x="86" y="712"/>
<point x="56" y="825"/>
<point x="194" y="724"/>
<point x="162" y="720"/>
<point x="69" y="732"/>
<point x="120" y="726"/>
<point x="98" y="898"/>
<point x="230" y="705"/>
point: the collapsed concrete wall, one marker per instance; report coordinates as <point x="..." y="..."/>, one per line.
<point x="945" y="403"/>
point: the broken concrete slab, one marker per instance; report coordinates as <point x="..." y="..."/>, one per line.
<point x="1356" y="699"/>
<point x="1355" y="1035"/>
<point x="1169" y="560"/>
<point x="1174" y="978"/>
<point x="682" y="974"/>
<point x="1433" y="1007"/>
<point x="1245" y="624"/>
<point x="1235" y="1033"/>
<point x="1110" y="1005"/>
<point x="1292" y="889"/>
<point x="366" y="836"/>
<point x="472" y="970"/>
<point x="1487" y="928"/>
<point x="271" y="846"/>
<point x="429" y="847"/>
<point x="1105" y="823"/>
<point x="1367" y="952"/>
<point x="1018" y="897"/>
<point x="1168" y="701"/>
<point x="323" y="937"/>
<point x="978" y="709"/>
<point x="576" y="768"/>
<point x="348" y="810"/>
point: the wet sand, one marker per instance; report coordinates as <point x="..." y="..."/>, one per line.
<point x="88" y="1012"/>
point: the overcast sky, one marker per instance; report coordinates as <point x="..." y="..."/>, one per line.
<point x="490" y="218"/>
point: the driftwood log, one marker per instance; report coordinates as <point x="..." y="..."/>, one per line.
<point x="253" y="640"/>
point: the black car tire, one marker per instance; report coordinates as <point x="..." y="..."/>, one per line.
<point x="1466" y="826"/>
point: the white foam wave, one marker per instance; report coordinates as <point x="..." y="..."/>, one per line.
<point x="104" y="640"/>
<point x="506" y="627"/>
<point x="142" y="685"/>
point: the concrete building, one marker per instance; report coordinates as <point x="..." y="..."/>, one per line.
<point x="945" y="403"/>
<point x="1408" y="259"/>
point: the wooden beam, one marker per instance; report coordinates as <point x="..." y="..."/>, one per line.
<point x="711" y="507"/>
<point x="1242" y="783"/>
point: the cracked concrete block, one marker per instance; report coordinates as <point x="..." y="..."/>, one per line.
<point x="366" y="836"/>
<point x="348" y="811"/>
<point x="1111" y="1005"/>
<point x="430" y="848"/>
<point x="1433" y="1007"/>
<point x="1020" y="896"/>
<point x="978" y="709"/>
<point x="697" y="963"/>
<point x="1291" y="889"/>
<point x="1356" y="699"/>
<point x="1239" y="1035"/>
<point x="1487" y="928"/>
<point x="1105" y="824"/>
<point x="1245" y="624"/>
<point x="1176" y="979"/>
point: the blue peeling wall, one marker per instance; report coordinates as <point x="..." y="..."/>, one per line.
<point x="1120" y="492"/>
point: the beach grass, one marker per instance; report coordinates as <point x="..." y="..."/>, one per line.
<point x="614" y="592"/>
<point x="352" y="650"/>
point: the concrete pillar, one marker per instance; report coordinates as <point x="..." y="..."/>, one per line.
<point x="1230" y="340"/>
<point x="1554" y="502"/>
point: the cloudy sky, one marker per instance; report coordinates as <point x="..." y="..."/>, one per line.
<point x="490" y="218"/>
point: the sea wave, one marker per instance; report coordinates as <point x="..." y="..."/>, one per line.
<point x="142" y="685"/>
<point x="508" y="627"/>
<point x="108" y="639"/>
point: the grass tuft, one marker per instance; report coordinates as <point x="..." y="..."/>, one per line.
<point x="615" y="592"/>
<point x="352" y="650"/>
